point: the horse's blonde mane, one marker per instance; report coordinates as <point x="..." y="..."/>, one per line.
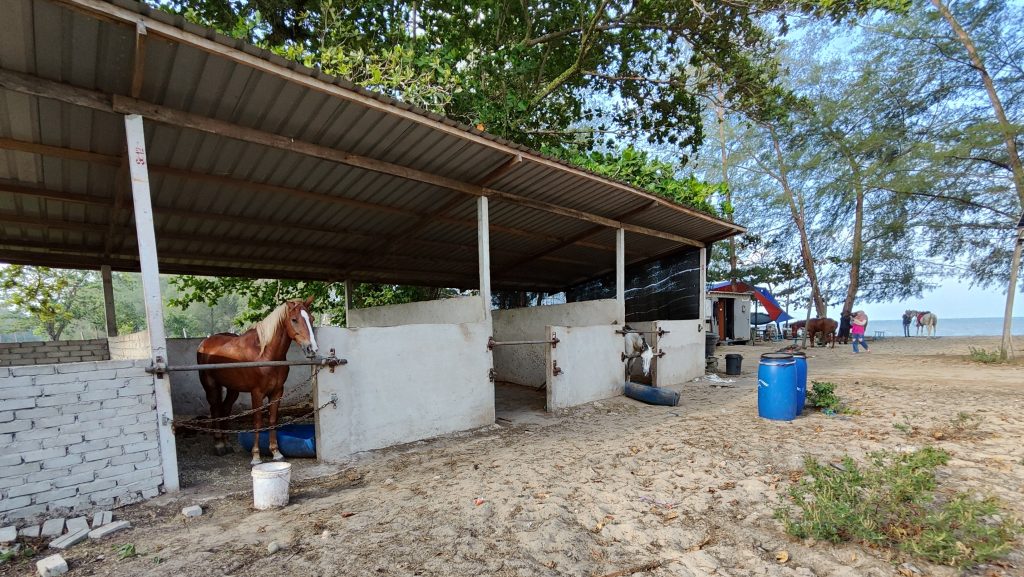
<point x="267" y="329"/>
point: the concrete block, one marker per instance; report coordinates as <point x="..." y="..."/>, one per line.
<point x="57" y="400"/>
<point x="103" y="433"/>
<point x="74" y="480"/>
<point x="101" y="518"/>
<point x="16" y="404"/>
<point x="23" y="392"/>
<point x="37" y="413"/>
<point x="30" y="532"/>
<point x="52" y="527"/>
<point x="30" y="488"/>
<point x="8" y="534"/>
<point x="64" y="440"/>
<point x="51" y="566"/>
<point x="22" y="446"/>
<point x="128" y="458"/>
<point x="64" y="388"/>
<point x="100" y="415"/>
<point x="90" y="466"/>
<point x="100" y="395"/>
<point x="55" y="421"/>
<point x="6" y="482"/>
<point x="77" y="524"/>
<point x="150" y="493"/>
<point x="63" y="462"/>
<point x="99" y="383"/>
<point x="15" y="426"/>
<point x="138" y="409"/>
<point x="109" y="529"/>
<point x="22" y="469"/>
<point x="114" y="471"/>
<point x="58" y="494"/>
<point x="43" y="455"/>
<point x="104" y="454"/>
<point x="88" y="446"/>
<point x="34" y="370"/>
<point x="4" y="373"/>
<point x="69" y="540"/>
<point x="120" y="402"/>
<point x="134" y="477"/>
<point x="44" y="380"/>
<point x="6" y="416"/>
<point x="144" y="446"/>
<point x="148" y="427"/>
<point x="47" y="475"/>
<point x="11" y="460"/>
<point x="193" y="511"/>
<point x="96" y="486"/>
<point x="127" y="439"/>
<point x="37" y="433"/>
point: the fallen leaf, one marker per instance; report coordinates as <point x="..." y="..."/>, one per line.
<point x="782" y="556"/>
<point x="541" y="495"/>
<point x="478" y="501"/>
<point x="347" y="514"/>
<point x="670" y="515"/>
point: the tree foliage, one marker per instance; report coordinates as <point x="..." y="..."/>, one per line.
<point x="50" y="296"/>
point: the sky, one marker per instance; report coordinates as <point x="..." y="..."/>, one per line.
<point x="950" y="300"/>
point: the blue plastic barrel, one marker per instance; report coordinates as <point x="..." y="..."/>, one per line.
<point x="801" y="380"/>
<point x="294" y="441"/>
<point x="776" y="387"/>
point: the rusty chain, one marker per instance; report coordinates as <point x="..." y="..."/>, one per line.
<point x="194" y="427"/>
<point x="254" y="410"/>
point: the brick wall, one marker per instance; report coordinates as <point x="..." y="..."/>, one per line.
<point x="76" y="437"/>
<point x="40" y="353"/>
<point x="130" y="346"/>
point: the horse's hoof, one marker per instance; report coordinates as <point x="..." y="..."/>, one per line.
<point x="255" y="461"/>
<point x="278" y="456"/>
<point x="220" y="450"/>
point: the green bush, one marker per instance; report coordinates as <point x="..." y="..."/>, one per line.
<point x="823" y="396"/>
<point x="892" y="502"/>
<point x="982" y="356"/>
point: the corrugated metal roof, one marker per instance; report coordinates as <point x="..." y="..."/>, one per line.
<point x="248" y="206"/>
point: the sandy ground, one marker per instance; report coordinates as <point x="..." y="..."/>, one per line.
<point x="612" y="488"/>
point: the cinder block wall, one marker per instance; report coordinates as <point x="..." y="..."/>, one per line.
<point x="39" y="353"/>
<point x="76" y="437"/>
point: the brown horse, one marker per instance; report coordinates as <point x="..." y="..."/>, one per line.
<point x="826" y="327"/>
<point x="268" y="340"/>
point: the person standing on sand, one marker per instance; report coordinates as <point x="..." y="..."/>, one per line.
<point x="858" y="325"/>
<point x="906" y="323"/>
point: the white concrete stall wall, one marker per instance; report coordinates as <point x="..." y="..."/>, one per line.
<point x="683" y="345"/>
<point x="525" y="364"/>
<point x="457" y="310"/>
<point x="129" y="347"/>
<point x="403" y="384"/>
<point x="590" y="359"/>
<point x="77" y="436"/>
<point x="189" y="399"/>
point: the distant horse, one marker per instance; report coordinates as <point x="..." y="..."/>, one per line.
<point x="636" y="346"/>
<point x="268" y="340"/>
<point x="925" y="320"/>
<point x="825" y="327"/>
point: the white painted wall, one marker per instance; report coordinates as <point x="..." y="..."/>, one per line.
<point x="525" y="364"/>
<point x="458" y="310"/>
<point x="403" y="384"/>
<point x="129" y="347"/>
<point x="189" y="399"/>
<point x="683" y="345"/>
<point x="591" y="363"/>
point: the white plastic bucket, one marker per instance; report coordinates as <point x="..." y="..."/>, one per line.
<point x="270" y="485"/>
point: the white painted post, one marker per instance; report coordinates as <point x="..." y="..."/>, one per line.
<point x="350" y="289"/>
<point x="484" y="254"/>
<point x="108" y="300"/>
<point x="703" y="288"/>
<point x="151" y="292"/>
<point x="620" y="273"/>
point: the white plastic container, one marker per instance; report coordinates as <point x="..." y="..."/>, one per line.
<point x="270" y="484"/>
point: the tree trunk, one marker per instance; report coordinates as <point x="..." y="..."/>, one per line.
<point x="720" y="113"/>
<point x="857" y="251"/>
<point x="1009" y="136"/>
<point x="1006" y="346"/>
<point x="798" y="221"/>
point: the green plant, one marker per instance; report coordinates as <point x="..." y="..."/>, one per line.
<point x="892" y="501"/>
<point x="902" y="427"/>
<point x="125" y="551"/>
<point x="980" y="355"/>
<point x="823" y="396"/>
<point x="13" y="554"/>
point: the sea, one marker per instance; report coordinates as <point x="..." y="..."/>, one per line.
<point x="946" y="327"/>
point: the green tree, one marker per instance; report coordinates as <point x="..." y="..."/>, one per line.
<point x="48" y="295"/>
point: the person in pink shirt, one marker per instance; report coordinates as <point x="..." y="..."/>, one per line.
<point x="858" y="325"/>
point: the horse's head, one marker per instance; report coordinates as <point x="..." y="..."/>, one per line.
<point x="298" y="323"/>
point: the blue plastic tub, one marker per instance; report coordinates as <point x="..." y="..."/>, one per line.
<point x="801" y="381"/>
<point x="776" y="387"/>
<point x="294" y="441"/>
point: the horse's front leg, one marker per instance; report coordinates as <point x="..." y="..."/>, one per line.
<point x="275" y="402"/>
<point x="257" y="417"/>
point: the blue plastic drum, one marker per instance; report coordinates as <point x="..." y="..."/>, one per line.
<point x="294" y="441"/>
<point x="776" y="387"/>
<point x="801" y="380"/>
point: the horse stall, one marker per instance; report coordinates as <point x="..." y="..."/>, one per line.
<point x="415" y="371"/>
<point x="523" y="346"/>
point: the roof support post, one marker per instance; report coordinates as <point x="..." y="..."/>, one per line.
<point x="620" y="273"/>
<point x="108" y="300"/>
<point x="703" y="314"/>
<point x="350" y="290"/>
<point x="137" y="163"/>
<point x="484" y="254"/>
